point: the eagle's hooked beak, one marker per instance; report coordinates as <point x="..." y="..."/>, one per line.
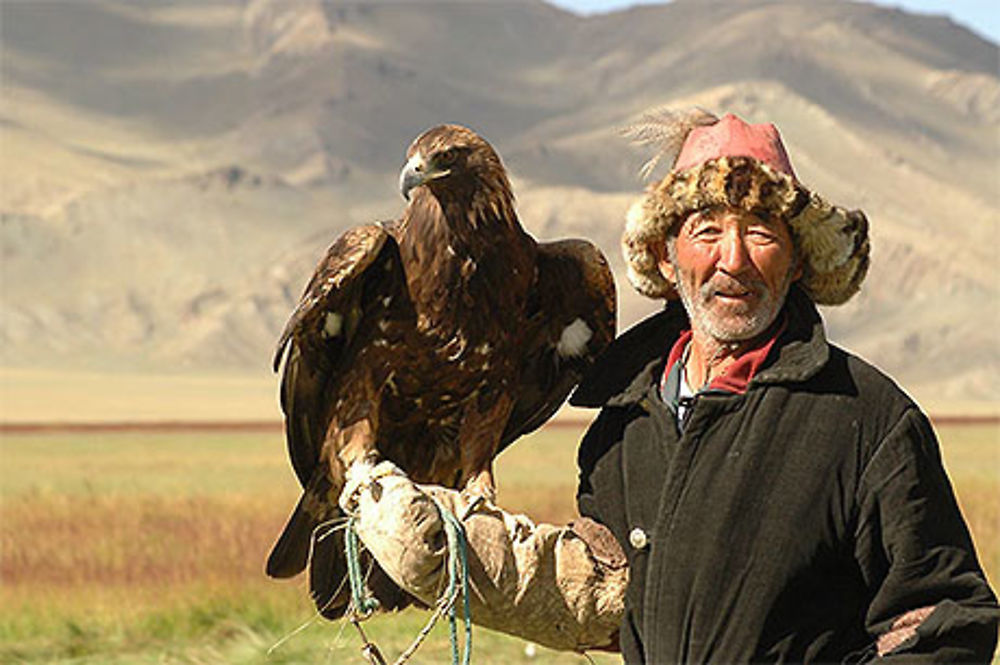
<point x="416" y="172"/>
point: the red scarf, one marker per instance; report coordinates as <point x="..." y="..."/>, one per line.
<point x="738" y="375"/>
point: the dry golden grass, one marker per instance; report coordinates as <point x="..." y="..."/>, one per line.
<point x="143" y="511"/>
<point x="138" y="547"/>
<point x="972" y="458"/>
<point x="981" y="507"/>
<point x="72" y="541"/>
<point x="43" y="395"/>
<point x="154" y="542"/>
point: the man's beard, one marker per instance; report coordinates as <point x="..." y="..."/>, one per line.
<point x="747" y="321"/>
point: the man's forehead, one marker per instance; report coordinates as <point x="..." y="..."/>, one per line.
<point x="725" y="213"/>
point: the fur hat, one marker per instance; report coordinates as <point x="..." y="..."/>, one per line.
<point x="731" y="163"/>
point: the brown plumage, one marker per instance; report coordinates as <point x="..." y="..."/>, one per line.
<point x="433" y="341"/>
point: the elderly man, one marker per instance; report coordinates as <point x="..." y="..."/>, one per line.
<point x="771" y="497"/>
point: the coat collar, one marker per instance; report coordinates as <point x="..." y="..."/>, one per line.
<point x="634" y="362"/>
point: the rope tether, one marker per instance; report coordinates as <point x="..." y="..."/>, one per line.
<point x="458" y="582"/>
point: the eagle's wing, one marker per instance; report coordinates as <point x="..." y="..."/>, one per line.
<point x="571" y="321"/>
<point x="319" y="330"/>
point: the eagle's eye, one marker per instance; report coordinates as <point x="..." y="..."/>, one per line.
<point x="447" y="157"/>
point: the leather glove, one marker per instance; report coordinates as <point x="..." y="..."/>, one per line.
<point x="560" y="587"/>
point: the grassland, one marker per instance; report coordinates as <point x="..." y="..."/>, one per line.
<point x="56" y="395"/>
<point x="148" y="547"/>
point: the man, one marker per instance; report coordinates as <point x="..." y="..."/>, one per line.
<point x="775" y="498"/>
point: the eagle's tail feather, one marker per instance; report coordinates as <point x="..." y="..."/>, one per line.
<point x="328" y="580"/>
<point x="315" y="535"/>
<point x="328" y="584"/>
<point x="291" y="551"/>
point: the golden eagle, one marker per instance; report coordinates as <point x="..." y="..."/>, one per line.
<point x="433" y="341"/>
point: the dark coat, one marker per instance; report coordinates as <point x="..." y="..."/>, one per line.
<point x="792" y="523"/>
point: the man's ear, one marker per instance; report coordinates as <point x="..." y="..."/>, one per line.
<point x="664" y="264"/>
<point x="667" y="270"/>
<point x="798" y="267"/>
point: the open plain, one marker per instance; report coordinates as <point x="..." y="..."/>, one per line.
<point x="148" y="547"/>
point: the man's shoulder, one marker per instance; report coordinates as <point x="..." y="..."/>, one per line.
<point x="869" y="378"/>
<point x="873" y="397"/>
<point x="629" y="356"/>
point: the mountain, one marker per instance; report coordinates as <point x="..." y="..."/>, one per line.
<point x="170" y="171"/>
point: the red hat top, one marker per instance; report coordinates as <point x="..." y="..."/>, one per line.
<point x="732" y="137"/>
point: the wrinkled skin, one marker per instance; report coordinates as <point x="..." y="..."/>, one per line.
<point x="733" y="270"/>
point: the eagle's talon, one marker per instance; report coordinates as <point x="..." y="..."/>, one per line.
<point x="357" y="477"/>
<point x="479" y="491"/>
<point x="471" y="506"/>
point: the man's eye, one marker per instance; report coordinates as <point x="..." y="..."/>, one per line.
<point x="761" y="235"/>
<point x="706" y="231"/>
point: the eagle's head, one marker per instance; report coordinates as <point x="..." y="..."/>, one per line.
<point x="454" y="162"/>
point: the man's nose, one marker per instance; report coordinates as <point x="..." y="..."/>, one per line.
<point x="733" y="255"/>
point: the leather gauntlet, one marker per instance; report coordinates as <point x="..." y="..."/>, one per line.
<point x="560" y="587"/>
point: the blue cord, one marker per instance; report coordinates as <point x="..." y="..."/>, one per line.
<point x="458" y="569"/>
<point x="363" y="603"/>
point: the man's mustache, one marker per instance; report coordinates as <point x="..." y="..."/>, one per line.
<point x="728" y="285"/>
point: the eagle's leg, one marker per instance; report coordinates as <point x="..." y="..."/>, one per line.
<point x="482" y="484"/>
<point x="350" y="444"/>
<point x="479" y="438"/>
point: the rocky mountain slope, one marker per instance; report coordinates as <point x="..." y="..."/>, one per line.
<point x="170" y="171"/>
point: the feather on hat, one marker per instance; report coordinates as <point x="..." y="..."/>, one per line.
<point x="732" y="163"/>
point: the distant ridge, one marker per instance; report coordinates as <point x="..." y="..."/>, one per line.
<point x="171" y="171"/>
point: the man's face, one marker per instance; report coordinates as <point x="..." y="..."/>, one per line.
<point x="732" y="270"/>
